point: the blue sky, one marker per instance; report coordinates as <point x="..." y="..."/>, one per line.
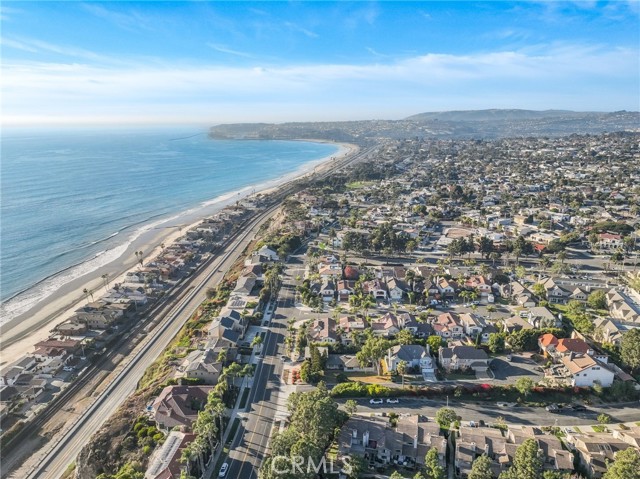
<point x="214" y="62"/>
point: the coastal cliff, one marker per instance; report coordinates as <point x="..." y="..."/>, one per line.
<point x="115" y="444"/>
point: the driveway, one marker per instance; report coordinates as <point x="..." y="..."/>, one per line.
<point x="520" y="366"/>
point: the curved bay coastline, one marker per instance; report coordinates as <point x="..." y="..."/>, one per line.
<point x="20" y="333"/>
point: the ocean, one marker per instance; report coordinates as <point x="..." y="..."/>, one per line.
<point x="73" y="199"/>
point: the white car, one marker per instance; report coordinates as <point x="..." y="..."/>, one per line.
<point x="393" y="400"/>
<point x="376" y="401"/>
<point x="223" y="470"/>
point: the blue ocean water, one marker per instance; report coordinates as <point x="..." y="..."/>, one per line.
<point x="70" y="194"/>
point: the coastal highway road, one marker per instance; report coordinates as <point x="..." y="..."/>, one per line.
<point x="249" y="446"/>
<point x="67" y="448"/>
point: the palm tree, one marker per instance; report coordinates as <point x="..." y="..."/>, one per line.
<point x="87" y="293"/>
<point x="217" y="408"/>
<point x="105" y="280"/>
<point x="257" y="341"/>
<point x="561" y="256"/>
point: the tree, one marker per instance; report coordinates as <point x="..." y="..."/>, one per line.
<point x="405" y="337"/>
<point x="630" y="348"/>
<point x="524" y="385"/>
<point x="539" y="290"/>
<point x="445" y="416"/>
<point x="434" y="343"/>
<point x="396" y="475"/>
<point x="496" y="343"/>
<point x="256" y="341"/>
<point x="626" y="465"/>
<point x="432" y="466"/>
<point x="597" y="299"/>
<point x="604" y="418"/>
<point x="350" y="406"/>
<point x="527" y="463"/>
<point x="481" y="468"/>
<point x="401" y="369"/>
<point x="357" y="465"/>
<point x="372" y="351"/>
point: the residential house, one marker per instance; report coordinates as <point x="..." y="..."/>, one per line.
<point x="447" y="288"/>
<point x="608" y="241"/>
<point x="323" y="331"/>
<point x="522" y="295"/>
<point x="608" y="331"/>
<point x="541" y="317"/>
<point x="396" y="288"/>
<point x="347" y="326"/>
<point x="267" y="253"/>
<point x="385" y="326"/>
<point x="414" y="355"/>
<point x="245" y="286"/>
<point x="179" y="405"/>
<point x="515" y="323"/>
<point x="347" y="363"/>
<point x="555" y="293"/>
<point x="595" y="451"/>
<point x="473" y="324"/>
<point x="166" y="463"/>
<point x="479" y="283"/>
<point x="463" y="357"/>
<point x="623" y="307"/>
<point x="376" y="288"/>
<point x="381" y="444"/>
<point x="202" y="365"/>
<point x="585" y="371"/>
<point x="328" y="290"/>
<point x="98" y="315"/>
<point x="448" y="325"/>
<point x="345" y="289"/>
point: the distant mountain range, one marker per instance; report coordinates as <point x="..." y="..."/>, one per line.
<point x="476" y="124"/>
<point x="500" y="115"/>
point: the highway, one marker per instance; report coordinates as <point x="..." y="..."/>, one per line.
<point x="66" y="448"/>
<point x="249" y="447"/>
<point x="65" y="451"/>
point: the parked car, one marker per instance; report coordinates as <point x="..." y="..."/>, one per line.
<point x="376" y="401"/>
<point x="506" y="404"/>
<point x="553" y="408"/>
<point x="509" y="357"/>
<point x="579" y="407"/>
<point x="223" y="470"/>
<point x="393" y="400"/>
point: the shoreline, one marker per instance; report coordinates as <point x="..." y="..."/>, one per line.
<point x="35" y="323"/>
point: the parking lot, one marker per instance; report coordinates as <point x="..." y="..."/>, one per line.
<point x="521" y="365"/>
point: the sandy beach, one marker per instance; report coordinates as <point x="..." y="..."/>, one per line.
<point x="19" y="334"/>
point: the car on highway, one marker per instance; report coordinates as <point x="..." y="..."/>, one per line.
<point x="393" y="400"/>
<point x="376" y="401"/>
<point x="223" y="470"/>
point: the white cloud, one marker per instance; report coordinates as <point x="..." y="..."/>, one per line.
<point x="544" y="76"/>
<point x="225" y="49"/>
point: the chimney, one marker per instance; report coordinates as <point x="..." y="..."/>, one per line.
<point x="365" y="438"/>
<point x="415" y="441"/>
<point x="486" y="449"/>
<point x="355" y="433"/>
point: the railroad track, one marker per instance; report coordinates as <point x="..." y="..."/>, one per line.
<point x="183" y="296"/>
